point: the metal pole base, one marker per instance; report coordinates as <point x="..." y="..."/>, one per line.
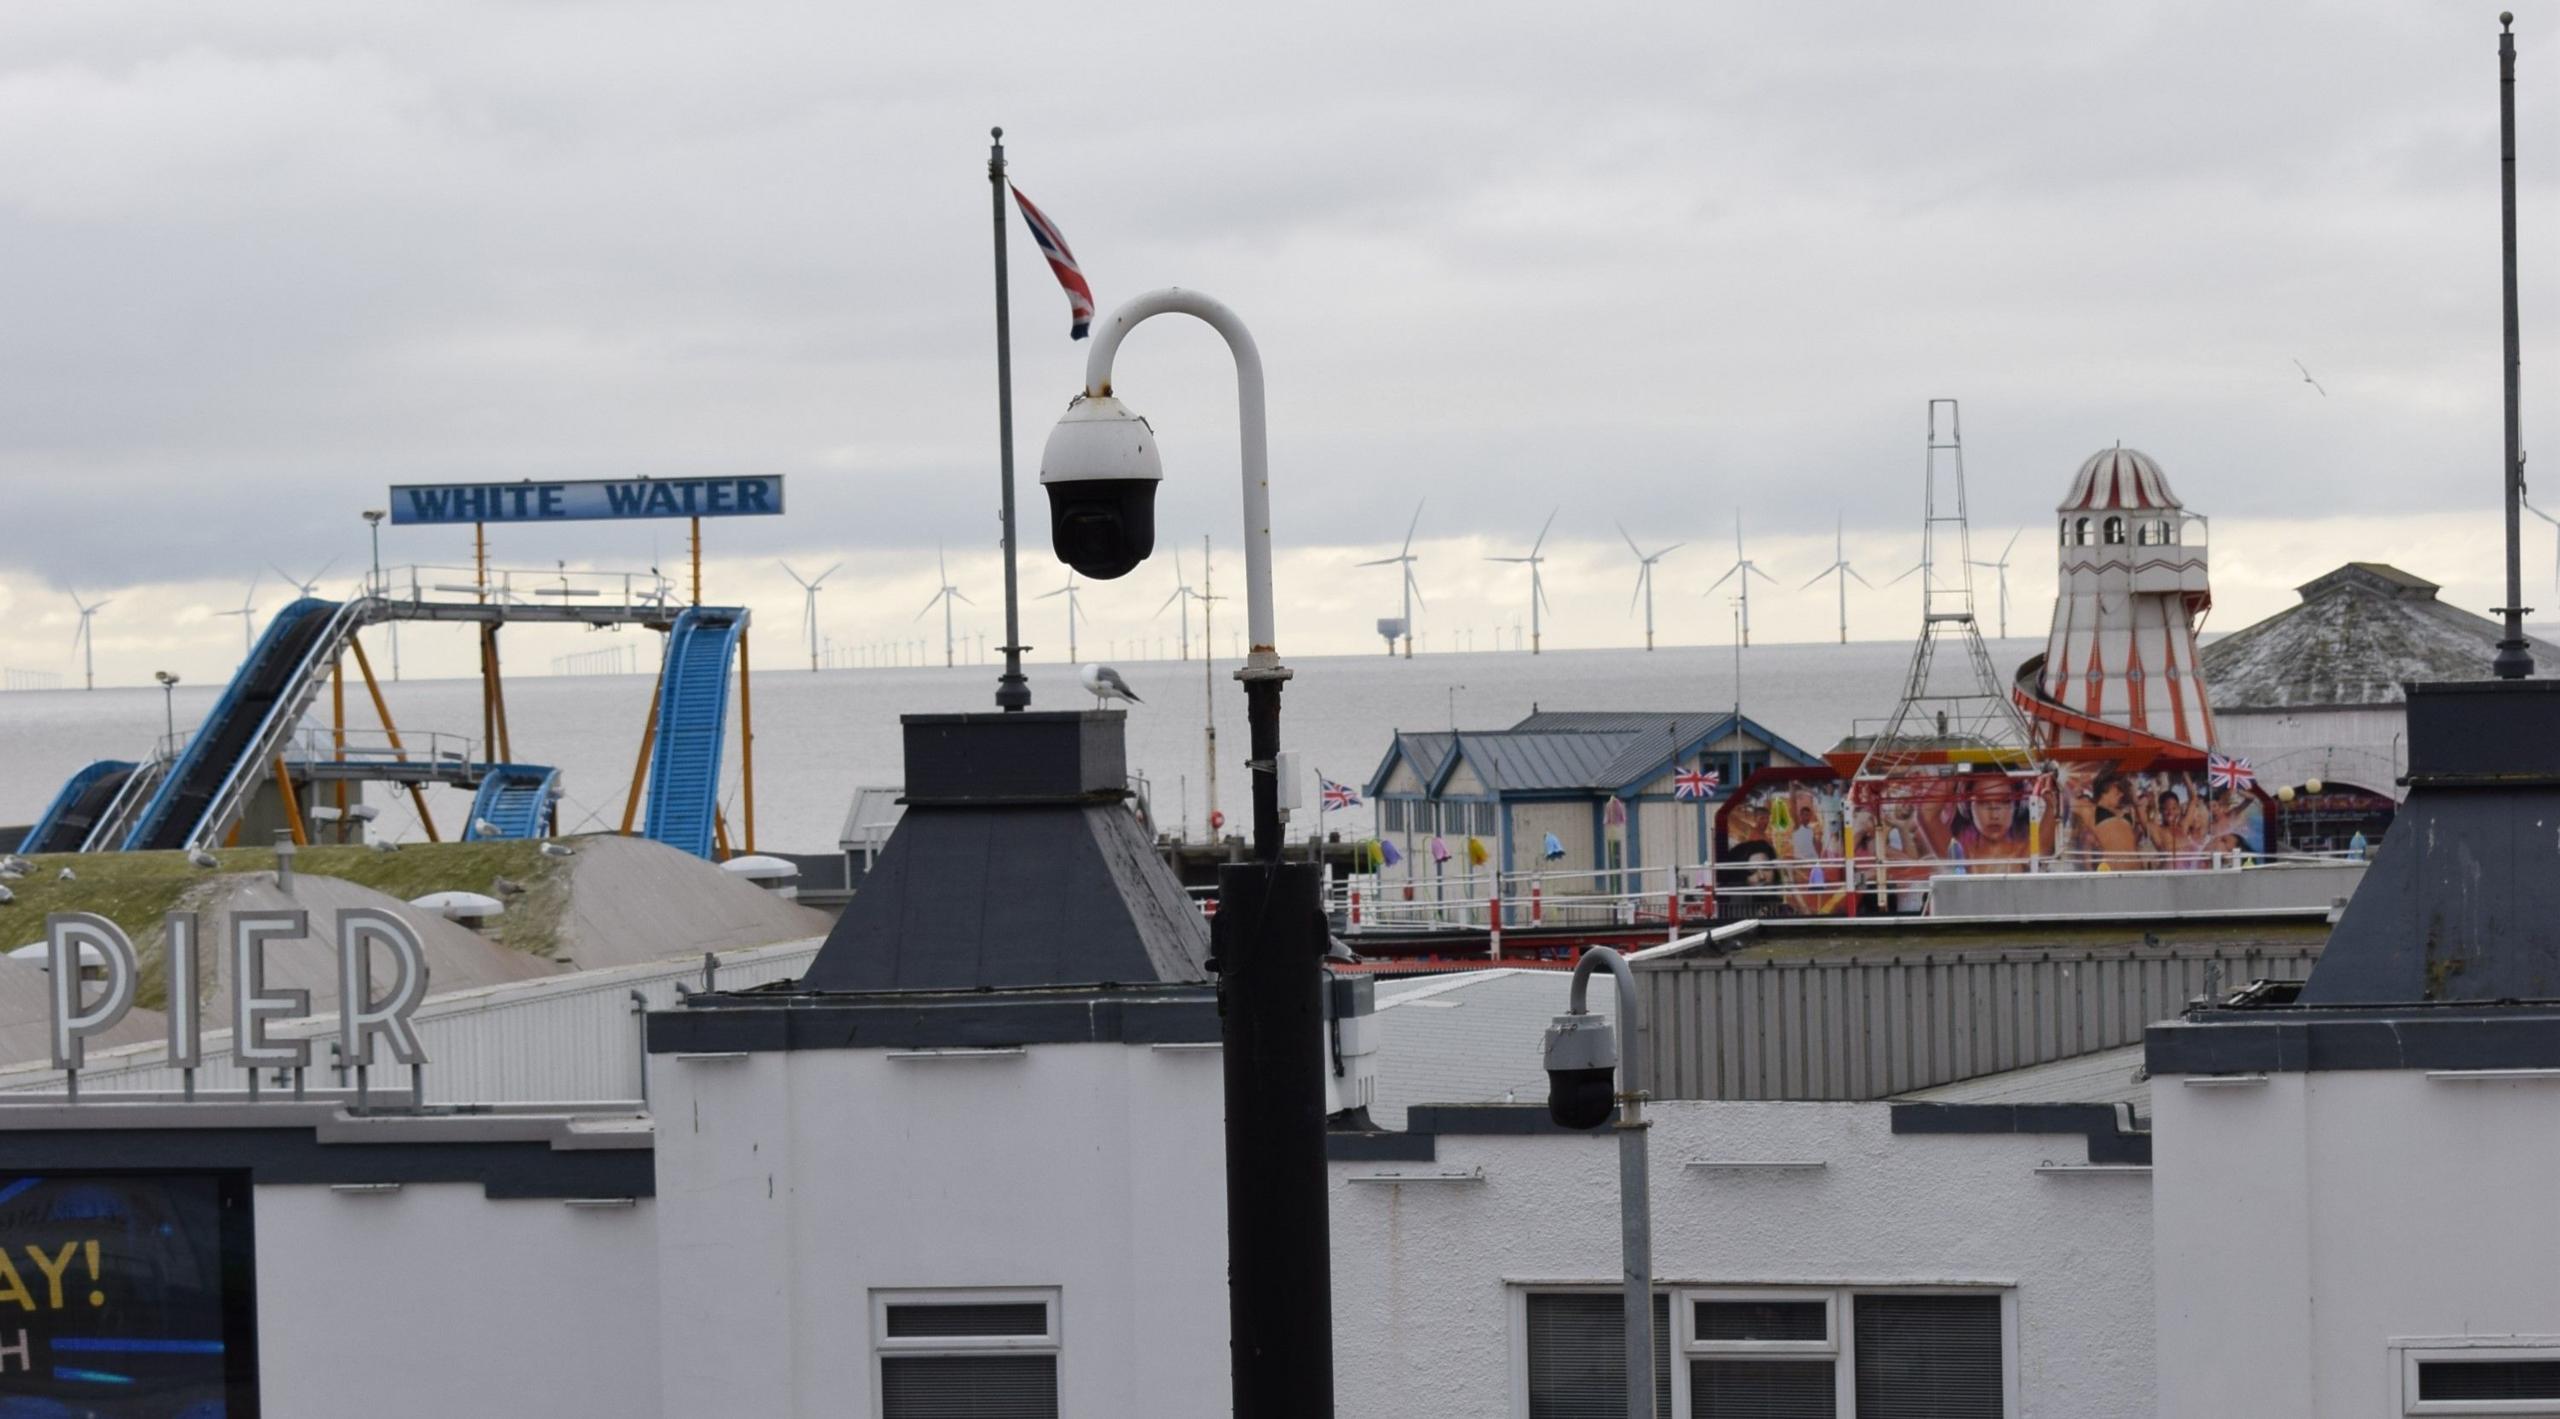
<point x="1269" y="941"/>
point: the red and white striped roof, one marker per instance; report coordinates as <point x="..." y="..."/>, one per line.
<point x="2119" y="477"/>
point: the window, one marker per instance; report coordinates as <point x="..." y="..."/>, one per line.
<point x="2481" y="1380"/>
<point x="966" y="1354"/>
<point x="1779" y="1353"/>
<point x="2115" y="532"/>
<point x="1487" y="820"/>
<point x="1577" y="1355"/>
<point x="2148" y="534"/>
<point x="1393" y="810"/>
<point x="2080" y="532"/>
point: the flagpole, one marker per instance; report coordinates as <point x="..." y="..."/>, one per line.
<point x="1013" y="692"/>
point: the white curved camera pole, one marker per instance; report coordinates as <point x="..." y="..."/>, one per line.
<point x="1262" y="673"/>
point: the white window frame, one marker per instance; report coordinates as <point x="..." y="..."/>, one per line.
<point x="2409" y="1354"/>
<point x="1841" y="1351"/>
<point x="883" y="1346"/>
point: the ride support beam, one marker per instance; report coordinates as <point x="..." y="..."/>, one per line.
<point x="391" y="732"/>
<point x="292" y="806"/>
<point x="648" y="741"/>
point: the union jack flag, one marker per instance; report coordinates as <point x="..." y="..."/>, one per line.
<point x="1338" y="795"/>
<point x="1695" y="783"/>
<point x="1062" y="261"/>
<point x="2229" y="771"/>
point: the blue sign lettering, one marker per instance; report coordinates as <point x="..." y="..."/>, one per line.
<point x="586" y="500"/>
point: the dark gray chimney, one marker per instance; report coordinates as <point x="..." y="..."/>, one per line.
<point x="2462" y="902"/>
<point x="1018" y="864"/>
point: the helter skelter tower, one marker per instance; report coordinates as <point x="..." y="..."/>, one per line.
<point x="1956" y="712"/>
<point x="2119" y="666"/>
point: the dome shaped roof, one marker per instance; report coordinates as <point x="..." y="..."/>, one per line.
<point x="2119" y="477"/>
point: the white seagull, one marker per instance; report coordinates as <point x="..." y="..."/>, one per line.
<point x="198" y="857"/>
<point x="558" y="850"/>
<point x="1105" y="685"/>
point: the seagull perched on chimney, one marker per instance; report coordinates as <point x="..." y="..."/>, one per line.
<point x="1105" y="685"/>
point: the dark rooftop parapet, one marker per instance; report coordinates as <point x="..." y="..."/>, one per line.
<point x="2462" y="902"/>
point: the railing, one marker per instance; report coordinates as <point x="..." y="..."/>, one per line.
<point x="611" y="660"/>
<point x="1678" y="897"/>
<point x="426" y="584"/>
<point x="319" y="744"/>
<point x="12" y="679"/>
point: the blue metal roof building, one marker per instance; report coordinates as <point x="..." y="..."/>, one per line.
<point x="1585" y="797"/>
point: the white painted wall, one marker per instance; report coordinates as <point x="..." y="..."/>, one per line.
<point x="792" y="1185"/>
<point x="2359" y="744"/>
<point x="2307" y="1222"/>
<point x="435" y="1301"/>
<point x="1423" y="1272"/>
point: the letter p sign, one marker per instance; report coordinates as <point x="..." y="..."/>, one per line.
<point x="75" y="941"/>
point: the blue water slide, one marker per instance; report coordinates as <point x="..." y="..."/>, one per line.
<point x="514" y="801"/>
<point x="693" y="721"/>
<point x="267" y="676"/>
<point x="74" y="811"/>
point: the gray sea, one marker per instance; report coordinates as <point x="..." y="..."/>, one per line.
<point x="820" y="735"/>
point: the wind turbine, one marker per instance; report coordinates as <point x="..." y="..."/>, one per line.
<point x="2555" y="522"/>
<point x="1537" y="584"/>
<point x="306" y="586"/>
<point x="946" y="596"/>
<point x="1183" y="593"/>
<point x="1741" y="573"/>
<point x="809" y="606"/>
<point x="1074" y="613"/>
<point x="86" y="641"/>
<point x="1412" y="590"/>
<point x="1644" y="580"/>
<point x="2002" y="567"/>
<point x="248" y="614"/>
<point x="1840" y="564"/>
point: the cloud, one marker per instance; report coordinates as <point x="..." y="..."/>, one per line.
<point x="1663" y="265"/>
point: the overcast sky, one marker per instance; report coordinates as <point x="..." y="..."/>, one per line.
<point x="1654" y="264"/>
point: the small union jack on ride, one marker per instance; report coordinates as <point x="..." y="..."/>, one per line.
<point x="2229" y="771"/>
<point x="1695" y="783"/>
<point x="1338" y="795"/>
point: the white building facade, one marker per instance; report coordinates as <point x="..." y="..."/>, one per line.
<point x="1842" y="1258"/>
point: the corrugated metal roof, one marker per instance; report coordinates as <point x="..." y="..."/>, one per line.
<point x="1469" y="1039"/>
<point x="1515" y="762"/>
<point x="2110" y="1076"/>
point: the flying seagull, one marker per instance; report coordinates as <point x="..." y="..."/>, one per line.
<point x="2307" y="379"/>
<point x="1105" y="685"/>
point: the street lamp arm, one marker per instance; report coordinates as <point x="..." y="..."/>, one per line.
<point x="1630" y="1053"/>
<point x="1264" y="657"/>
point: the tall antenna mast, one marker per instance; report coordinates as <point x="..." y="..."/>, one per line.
<point x="1966" y="716"/>
<point x="2515" y="653"/>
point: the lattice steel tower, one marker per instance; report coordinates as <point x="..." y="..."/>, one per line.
<point x="1948" y="714"/>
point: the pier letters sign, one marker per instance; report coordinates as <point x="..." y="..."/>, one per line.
<point x="587" y="500"/>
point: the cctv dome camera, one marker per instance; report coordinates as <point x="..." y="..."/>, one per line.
<point x="1101" y="469"/>
<point x="1582" y="1071"/>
